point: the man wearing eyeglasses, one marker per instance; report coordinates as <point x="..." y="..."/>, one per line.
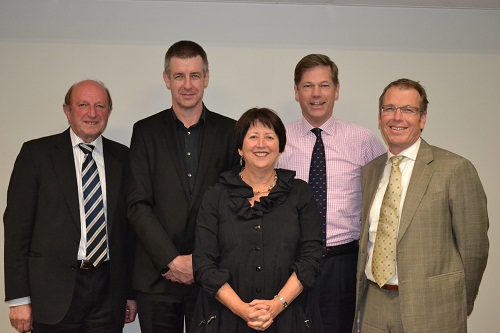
<point x="424" y="243"/>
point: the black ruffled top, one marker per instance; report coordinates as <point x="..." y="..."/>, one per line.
<point x="239" y="192"/>
<point x="256" y="249"/>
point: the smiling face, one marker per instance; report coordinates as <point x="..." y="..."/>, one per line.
<point x="88" y="111"/>
<point x="187" y="82"/>
<point x="260" y="148"/>
<point x="316" y="94"/>
<point x="401" y="131"/>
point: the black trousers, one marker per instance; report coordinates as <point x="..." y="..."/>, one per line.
<point x="91" y="307"/>
<point x="336" y="292"/>
<point x="166" y="313"/>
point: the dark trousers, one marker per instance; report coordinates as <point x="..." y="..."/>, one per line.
<point x="336" y="292"/>
<point x="91" y="308"/>
<point x="166" y="313"/>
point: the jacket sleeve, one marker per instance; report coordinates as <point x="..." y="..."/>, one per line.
<point x="19" y="219"/>
<point x="308" y="255"/>
<point x="470" y="225"/>
<point x="141" y="200"/>
<point x="206" y="253"/>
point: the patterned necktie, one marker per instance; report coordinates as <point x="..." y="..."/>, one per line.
<point x="384" y="250"/>
<point x="94" y="208"/>
<point x="317" y="178"/>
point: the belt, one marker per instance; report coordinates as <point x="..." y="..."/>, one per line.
<point x="391" y="287"/>
<point x="342" y="249"/>
<point x="85" y="264"/>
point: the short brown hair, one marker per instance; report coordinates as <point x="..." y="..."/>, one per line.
<point x="407" y="84"/>
<point x="185" y="49"/>
<point x="313" y="60"/>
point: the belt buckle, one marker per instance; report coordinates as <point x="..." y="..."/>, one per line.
<point x="85" y="264"/>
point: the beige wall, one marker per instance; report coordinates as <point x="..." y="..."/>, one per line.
<point x="45" y="46"/>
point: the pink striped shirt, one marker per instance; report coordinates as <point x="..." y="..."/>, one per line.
<point x="348" y="147"/>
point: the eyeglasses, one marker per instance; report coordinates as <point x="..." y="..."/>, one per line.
<point x="405" y="110"/>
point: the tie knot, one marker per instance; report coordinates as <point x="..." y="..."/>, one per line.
<point x="317" y="132"/>
<point x="86" y="148"/>
<point x="396" y="160"/>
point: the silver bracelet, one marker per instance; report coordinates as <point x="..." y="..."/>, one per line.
<point x="282" y="300"/>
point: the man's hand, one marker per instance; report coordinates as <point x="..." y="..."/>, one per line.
<point x="130" y="311"/>
<point x="181" y="270"/>
<point x="21" y="318"/>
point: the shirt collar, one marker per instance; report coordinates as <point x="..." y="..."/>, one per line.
<point x="410" y="152"/>
<point x="200" y="122"/>
<point x="328" y="127"/>
<point x="76" y="140"/>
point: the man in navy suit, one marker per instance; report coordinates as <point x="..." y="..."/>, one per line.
<point x="50" y="283"/>
<point x="175" y="155"/>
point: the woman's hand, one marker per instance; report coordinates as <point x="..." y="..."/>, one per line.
<point x="264" y="314"/>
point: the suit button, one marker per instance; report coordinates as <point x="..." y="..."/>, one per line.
<point x="257" y="227"/>
<point x="258" y="290"/>
<point x="257" y="248"/>
<point x="258" y="268"/>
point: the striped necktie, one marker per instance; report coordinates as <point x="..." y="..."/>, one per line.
<point x="96" y="246"/>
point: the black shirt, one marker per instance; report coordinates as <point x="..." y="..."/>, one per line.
<point x="190" y="146"/>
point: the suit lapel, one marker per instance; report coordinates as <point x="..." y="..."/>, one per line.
<point x="207" y="151"/>
<point x="64" y="167"/>
<point x="114" y="170"/>
<point x="374" y="173"/>
<point x="420" y="178"/>
<point x="172" y="148"/>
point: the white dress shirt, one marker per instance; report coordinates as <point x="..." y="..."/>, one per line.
<point x="406" y="167"/>
<point x="79" y="157"/>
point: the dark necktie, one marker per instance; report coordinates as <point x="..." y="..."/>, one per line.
<point x="96" y="246"/>
<point x="317" y="178"/>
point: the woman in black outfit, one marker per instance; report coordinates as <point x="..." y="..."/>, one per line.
<point x="258" y="240"/>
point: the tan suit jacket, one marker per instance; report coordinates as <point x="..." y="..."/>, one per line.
<point x="442" y="244"/>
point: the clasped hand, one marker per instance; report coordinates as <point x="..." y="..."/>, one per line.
<point x="181" y="270"/>
<point x="260" y="314"/>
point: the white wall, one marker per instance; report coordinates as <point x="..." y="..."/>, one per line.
<point x="45" y="46"/>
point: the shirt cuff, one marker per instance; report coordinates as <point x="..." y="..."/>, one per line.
<point x="19" y="301"/>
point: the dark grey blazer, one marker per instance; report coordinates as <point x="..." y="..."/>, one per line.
<point x="42" y="226"/>
<point x="160" y="208"/>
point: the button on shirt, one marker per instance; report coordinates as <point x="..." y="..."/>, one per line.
<point x="406" y="167"/>
<point x="190" y="146"/>
<point x="348" y="147"/>
<point x="79" y="157"/>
